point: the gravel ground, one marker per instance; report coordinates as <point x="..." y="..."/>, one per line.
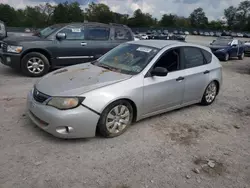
<point x="203" y="147"/>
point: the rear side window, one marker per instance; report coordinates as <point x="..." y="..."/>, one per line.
<point x="122" y="34"/>
<point x="207" y="55"/>
<point x="97" y="33"/>
<point x="193" y="57"/>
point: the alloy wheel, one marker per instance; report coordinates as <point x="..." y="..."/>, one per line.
<point x="211" y="92"/>
<point x="35" y="65"/>
<point x="117" y="119"/>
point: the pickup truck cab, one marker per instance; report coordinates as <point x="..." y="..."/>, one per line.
<point x="225" y="48"/>
<point x="62" y="45"/>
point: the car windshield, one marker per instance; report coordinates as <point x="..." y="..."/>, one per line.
<point x="127" y="58"/>
<point x="49" y="30"/>
<point x="223" y="42"/>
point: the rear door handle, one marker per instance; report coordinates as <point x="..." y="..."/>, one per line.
<point x="180" y="79"/>
<point x="206" y="72"/>
<point x="83" y="43"/>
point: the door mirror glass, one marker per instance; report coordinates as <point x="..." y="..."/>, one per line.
<point x="61" y="36"/>
<point x="159" y="71"/>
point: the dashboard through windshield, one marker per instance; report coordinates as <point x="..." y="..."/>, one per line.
<point x="128" y="58"/>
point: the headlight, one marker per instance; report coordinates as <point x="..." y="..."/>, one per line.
<point x="65" y="103"/>
<point x="14" y="49"/>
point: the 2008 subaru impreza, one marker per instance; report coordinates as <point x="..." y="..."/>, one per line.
<point x="133" y="81"/>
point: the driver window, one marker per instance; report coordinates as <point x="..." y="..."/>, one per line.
<point x="170" y="60"/>
<point x="73" y="33"/>
<point x="235" y="42"/>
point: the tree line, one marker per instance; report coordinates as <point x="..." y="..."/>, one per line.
<point x="237" y="18"/>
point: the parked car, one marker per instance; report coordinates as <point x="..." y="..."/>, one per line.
<point x="211" y="33"/>
<point x="133" y="81"/>
<point x="206" y="34"/>
<point x="175" y="32"/>
<point x="247" y="47"/>
<point x="177" y="37"/>
<point x="3" y="31"/>
<point x="186" y="33"/>
<point x="239" y="34"/>
<point x="246" y="35"/>
<point x="62" y="45"/>
<point x="181" y="33"/>
<point x="225" y="33"/>
<point x="144" y="36"/>
<point x="227" y="48"/>
<point x="201" y="33"/>
<point x="217" y="34"/>
<point x="195" y="33"/>
<point x="233" y="34"/>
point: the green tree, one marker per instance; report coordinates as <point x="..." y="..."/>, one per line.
<point x="242" y="15"/>
<point x="140" y="19"/>
<point x="68" y="12"/>
<point x="230" y="15"/>
<point x="8" y="15"/>
<point x="198" y="18"/>
<point x="99" y="13"/>
<point x="168" y="20"/>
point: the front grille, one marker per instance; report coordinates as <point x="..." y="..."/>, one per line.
<point x="39" y="97"/>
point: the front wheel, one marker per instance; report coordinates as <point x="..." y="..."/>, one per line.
<point x="226" y="57"/>
<point x="35" y="64"/>
<point x="210" y="93"/>
<point x="241" y="57"/>
<point x="115" y="119"/>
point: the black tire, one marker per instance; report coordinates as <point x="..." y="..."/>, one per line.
<point x="101" y="127"/>
<point x="27" y="57"/>
<point x="204" y="100"/>
<point x="241" y="57"/>
<point x="226" y="57"/>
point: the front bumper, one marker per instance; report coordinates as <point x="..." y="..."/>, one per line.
<point x="81" y="122"/>
<point x="10" y="59"/>
<point x="220" y="54"/>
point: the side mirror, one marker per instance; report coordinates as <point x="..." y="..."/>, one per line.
<point x="60" y="36"/>
<point x="159" y="71"/>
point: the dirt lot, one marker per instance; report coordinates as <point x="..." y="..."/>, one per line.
<point x="203" y="147"/>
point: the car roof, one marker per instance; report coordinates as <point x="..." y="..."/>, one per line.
<point x="163" y="43"/>
<point x="155" y="43"/>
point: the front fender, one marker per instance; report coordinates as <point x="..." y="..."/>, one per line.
<point x="131" y="89"/>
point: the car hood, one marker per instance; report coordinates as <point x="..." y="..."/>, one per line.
<point x="78" y="79"/>
<point x="16" y="39"/>
<point x="218" y="47"/>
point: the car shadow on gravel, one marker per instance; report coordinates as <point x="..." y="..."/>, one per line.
<point x="7" y="71"/>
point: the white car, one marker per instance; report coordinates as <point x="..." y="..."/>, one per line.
<point x="186" y="33"/>
<point x="144" y="36"/>
<point x="239" y="35"/>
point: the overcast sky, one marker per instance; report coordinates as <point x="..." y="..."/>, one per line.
<point x="213" y="8"/>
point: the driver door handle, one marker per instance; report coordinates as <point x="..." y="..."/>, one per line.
<point x="206" y="72"/>
<point x="83" y="43"/>
<point x="180" y="79"/>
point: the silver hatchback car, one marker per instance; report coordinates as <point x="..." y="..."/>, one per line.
<point x="133" y="81"/>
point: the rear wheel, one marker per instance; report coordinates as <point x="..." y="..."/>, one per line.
<point x="35" y="64"/>
<point x="115" y="119"/>
<point x="226" y="57"/>
<point x="241" y="57"/>
<point x="210" y="93"/>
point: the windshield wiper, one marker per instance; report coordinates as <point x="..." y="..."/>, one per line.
<point x="106" y="67"/>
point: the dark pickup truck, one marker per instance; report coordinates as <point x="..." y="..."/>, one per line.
<point x="62" y="45"/>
